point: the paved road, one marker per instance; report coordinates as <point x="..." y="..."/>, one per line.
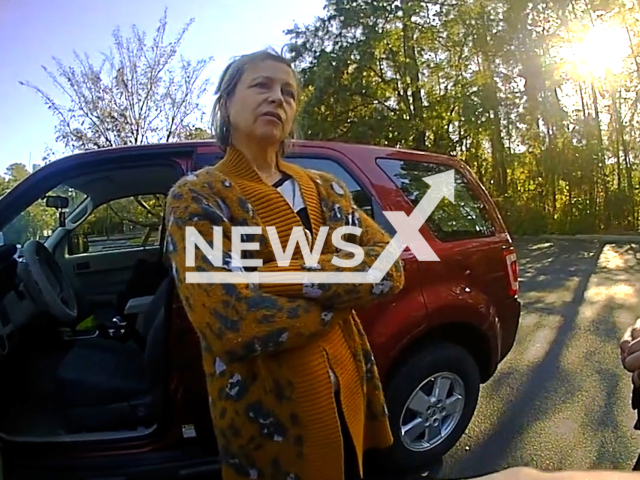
<point x="561" y="400"/>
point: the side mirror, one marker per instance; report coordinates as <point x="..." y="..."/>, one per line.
<point x="78" y="243"/>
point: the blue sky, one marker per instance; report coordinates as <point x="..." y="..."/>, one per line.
<point x="32" y="31"/>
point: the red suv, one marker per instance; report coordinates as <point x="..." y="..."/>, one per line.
<point x="102" y="370"/>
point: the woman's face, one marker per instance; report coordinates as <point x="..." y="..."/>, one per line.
<point x="263" y="106"/>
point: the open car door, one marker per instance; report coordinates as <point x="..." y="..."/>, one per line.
<point x="8" y="266"/>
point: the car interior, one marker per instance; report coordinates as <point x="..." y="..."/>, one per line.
<point x="107" y="380"/>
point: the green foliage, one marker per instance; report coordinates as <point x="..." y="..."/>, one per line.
<point x="126" y="216"/>
<point x="198" y="133"/>
<point x="484" y="80"/>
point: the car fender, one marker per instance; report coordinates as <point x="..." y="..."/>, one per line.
<point x="460" y="310"/>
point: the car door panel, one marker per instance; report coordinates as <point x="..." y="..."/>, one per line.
<point x="102" y="276"/>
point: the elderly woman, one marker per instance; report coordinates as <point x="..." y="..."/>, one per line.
<point x="293" y="387"/>
<point x="294" y="390"/>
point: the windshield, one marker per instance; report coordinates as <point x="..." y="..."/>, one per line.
<point x="38" y="221"/>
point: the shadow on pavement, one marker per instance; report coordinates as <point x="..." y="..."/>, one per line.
<point x="545" y="266"/>
<point x="604" y="422"/>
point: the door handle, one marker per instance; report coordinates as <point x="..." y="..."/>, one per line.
<point x="82" y="266"/>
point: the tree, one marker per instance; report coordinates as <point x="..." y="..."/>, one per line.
<point x="16" y="172"/>
<point x="494" y="83"/>
<point x="198" y="133"/>
<point x="140" y="92"/>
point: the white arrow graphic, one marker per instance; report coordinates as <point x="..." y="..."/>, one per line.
<point x="442" y="186"/>
<point x="408" y="228"/>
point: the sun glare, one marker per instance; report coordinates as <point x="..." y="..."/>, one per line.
<point x="603" y="48"/>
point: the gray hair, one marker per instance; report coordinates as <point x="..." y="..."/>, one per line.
<point x="229" y="80"/>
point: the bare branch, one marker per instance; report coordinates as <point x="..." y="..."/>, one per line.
<point x="147" y="208"/>
<point x="140" y="92"/>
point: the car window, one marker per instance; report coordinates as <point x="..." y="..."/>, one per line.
<point x="360" y="196"/>
<point x="124" y="224"/>
<point x="467" y="218"/>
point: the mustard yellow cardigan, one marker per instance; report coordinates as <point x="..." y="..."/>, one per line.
<point x="267" y="348"/>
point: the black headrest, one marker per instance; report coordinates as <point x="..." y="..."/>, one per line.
<point x="7" y="252"/>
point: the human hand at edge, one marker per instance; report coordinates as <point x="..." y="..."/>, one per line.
<point x="526" y="473"/>
<point x="630" y="351"/>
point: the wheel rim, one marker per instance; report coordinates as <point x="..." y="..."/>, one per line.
<point x="432" y="411"/>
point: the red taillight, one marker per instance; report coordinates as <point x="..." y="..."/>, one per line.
<point x="511" y="259"/>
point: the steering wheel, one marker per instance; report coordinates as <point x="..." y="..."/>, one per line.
<point x="48" y="284"/>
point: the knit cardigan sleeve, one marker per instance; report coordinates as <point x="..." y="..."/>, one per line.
<point x="373" y="240"/>
<point x="237" y="321"/>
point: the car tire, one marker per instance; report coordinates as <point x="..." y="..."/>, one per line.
<point x="441" y="361"/>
